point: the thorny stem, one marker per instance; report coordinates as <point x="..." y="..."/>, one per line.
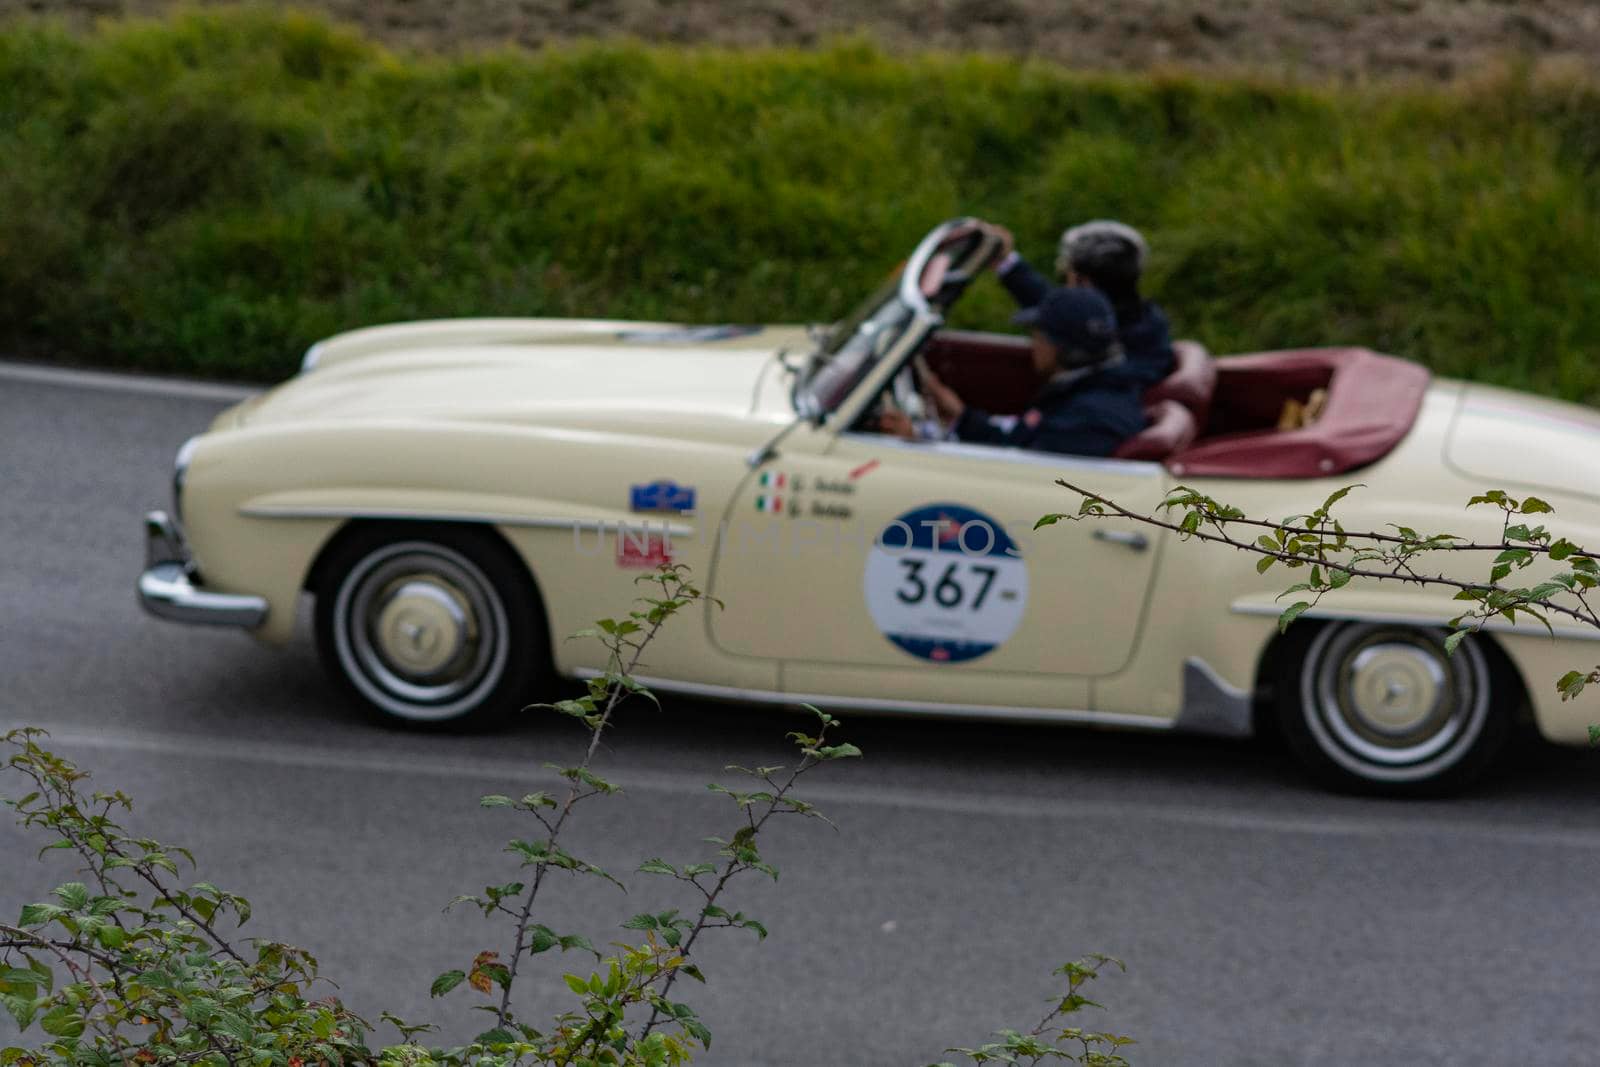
<point x="1584" y="615"/>
<point x="1455" y="545"/>
<point x="525" y="913"/>
<point x="732" y="867"/>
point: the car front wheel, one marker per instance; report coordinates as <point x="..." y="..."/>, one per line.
<point x="1375" y="707"/>
<point x="431" y="625"/>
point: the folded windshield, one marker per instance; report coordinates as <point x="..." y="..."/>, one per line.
<point x="915" y="295"/>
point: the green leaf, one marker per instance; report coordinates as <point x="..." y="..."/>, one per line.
<point x="578" y="985"/>
<point x="47" y="977"/>
<point x="1544" y="590"/>
<point x="446" y="982"/>
<point x="1335" y="497"/>
<point x="16" y="981"/>
<point x="1264" y="563"/>
<point x="572" y="941"/>
<point x="22" y="1008"/>
<point x="657" y="866"/>
<point x="496" y="1036"/>
<point x="1190" y="523"/>
<point x="498" y="973"/>
<point x="1571" y="684"/>
<point x="63" y="1020"/>
<point x="1534" y="506"/>
<point x="1453" y="640"/>
<point x="1291" y="613"/>
<point x="1048" y="520"/>
<point x="37" y="914"/>
<point x="541" y="939"/>
<point x="75" y="895"/>
<point x="494" y="800"/>
<point x="644" y="921"/>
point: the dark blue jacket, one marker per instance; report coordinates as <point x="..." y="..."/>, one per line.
<point x="1079" y="414"/>
<point x="1146" y="337"/>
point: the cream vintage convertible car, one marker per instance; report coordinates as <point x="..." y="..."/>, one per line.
<point x="458" y="495"/>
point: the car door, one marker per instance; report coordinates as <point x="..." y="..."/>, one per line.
<point x="889" y="571"/>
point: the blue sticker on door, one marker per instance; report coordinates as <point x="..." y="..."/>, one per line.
<point x="946" y="583"/>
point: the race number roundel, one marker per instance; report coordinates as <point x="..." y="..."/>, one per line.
<point x="946" y="583"/>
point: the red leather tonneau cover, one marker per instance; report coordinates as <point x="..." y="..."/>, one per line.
<point x="1372" y="402"/>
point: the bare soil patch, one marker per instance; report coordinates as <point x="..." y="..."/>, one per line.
<point x="1311" y="39"/>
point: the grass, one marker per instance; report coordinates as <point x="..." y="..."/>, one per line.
<point x="210" y="193"/>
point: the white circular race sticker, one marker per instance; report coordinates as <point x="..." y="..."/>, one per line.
<point x="946" y="583"/>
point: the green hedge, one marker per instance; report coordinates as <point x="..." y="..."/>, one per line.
<point x="210" y="193"/>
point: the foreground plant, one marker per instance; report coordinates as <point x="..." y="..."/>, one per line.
<point x="636" y="978"/>
<point x="132" y="966"/>
<point x="1052" y="1040"/>
<point x="150" y="970"/>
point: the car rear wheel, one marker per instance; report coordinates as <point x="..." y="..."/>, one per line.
<point x="1381" y="708"/>
<point x="431" y="625"/>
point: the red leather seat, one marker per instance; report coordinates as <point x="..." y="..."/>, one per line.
<point x="1172" y="426"/>
<point x="1372" y="403"/>
<point x="1192" y="382"/>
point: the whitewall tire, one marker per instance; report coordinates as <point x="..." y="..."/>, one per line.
<point x="431" y="625"/>
<point x="1378" y="707"/>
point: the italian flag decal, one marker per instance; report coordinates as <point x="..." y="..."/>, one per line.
<point x="771" y="502"/>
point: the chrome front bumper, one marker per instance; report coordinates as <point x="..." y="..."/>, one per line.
<point x="169" y="588"/>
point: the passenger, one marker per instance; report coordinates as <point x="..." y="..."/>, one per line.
<point x="1084" y="407"/>
<point x="1110" y="257"/>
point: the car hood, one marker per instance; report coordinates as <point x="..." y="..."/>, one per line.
<point x="465" y="372"/>
<point x="1510" y="440"/>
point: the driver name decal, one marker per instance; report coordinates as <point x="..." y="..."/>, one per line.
<point x="946" y="583"/>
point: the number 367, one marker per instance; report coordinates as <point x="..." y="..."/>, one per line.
<point x="950" y="589"/>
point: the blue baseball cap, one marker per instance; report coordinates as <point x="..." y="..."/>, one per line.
<point x="1077" y="319"/>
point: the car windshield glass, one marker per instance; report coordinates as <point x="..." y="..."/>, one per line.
<point x="852" y="347"/>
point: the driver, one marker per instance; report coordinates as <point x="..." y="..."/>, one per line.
<point x="1110" y="257"/>
<point x="1084" y="406"/>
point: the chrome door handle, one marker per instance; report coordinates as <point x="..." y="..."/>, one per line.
<point x="1130" y="538"/>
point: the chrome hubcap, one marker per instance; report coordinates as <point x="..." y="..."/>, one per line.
<point x="422" y="627"/>
<point x="1395" y="688"/>
<point x="421" y="631"/>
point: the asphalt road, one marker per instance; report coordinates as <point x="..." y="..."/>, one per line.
<point x="1262" y="922"/>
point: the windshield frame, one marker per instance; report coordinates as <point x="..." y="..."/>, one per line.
<point x="864" y="341"/>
